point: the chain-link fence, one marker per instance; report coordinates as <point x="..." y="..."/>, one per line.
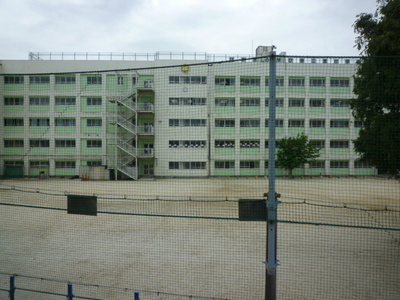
<point x="150" y="179"/>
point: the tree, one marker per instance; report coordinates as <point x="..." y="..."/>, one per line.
<point x="295" y="151"/>
<point x="377" y="86"/>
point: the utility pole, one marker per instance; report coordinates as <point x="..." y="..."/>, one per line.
<point x="272" y="202"/>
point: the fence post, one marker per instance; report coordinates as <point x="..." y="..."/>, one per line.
<point x="70" y="294"/>
<point x="271" y="203"/>
<point x="137" y="296"/>
<point x="11" y="292"/>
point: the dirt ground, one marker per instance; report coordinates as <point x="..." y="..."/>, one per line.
<point x="219" y="257"/>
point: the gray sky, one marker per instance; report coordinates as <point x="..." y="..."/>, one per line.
<point x="307" y="27"/>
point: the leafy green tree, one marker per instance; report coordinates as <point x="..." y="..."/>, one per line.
<point x="377" y="86"/>
<point x="295" y="151"/>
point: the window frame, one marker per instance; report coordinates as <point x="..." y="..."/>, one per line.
<point x="94" y="80"/>
<point x="249" y="123"/>
<point x="65" y="100"/>
<point x="98" y="143"/>
<point x="39" y="122"/>
<point x="65" y="122"/>
<point x="39" y="143"/>
<point x="339" y="144"/>
<point x="250" y="81"/>
<point x="13" y="122"/>
<point x="94" y="101"/>
<point x="94" y="122"/>
<point x="13" y="143"/>
<point x="39" y="101"/>
<point x="65" y="143"/>
<point x="13" y="101"/>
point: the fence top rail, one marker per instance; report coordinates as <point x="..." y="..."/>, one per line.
<point x="135" y="56"/>
<point x="193" y="56"/>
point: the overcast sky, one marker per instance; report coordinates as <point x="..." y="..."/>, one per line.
<point x="307" y="27"/>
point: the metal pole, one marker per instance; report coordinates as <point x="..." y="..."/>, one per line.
<point x="11" y="292"/>
<point x="272" y="203"/>
<point x="70" y="294"/>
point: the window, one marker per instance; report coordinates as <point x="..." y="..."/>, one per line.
<point x="39" y="143"/>
<point x="249" y="144"/>
<point x="320" y="144"/>
<point x="224" y="164"/>
<point x="38" y="122"/>
<point x="296" y="123"/>
<point x="278" y="81"/>
<point x="319" y="164"/>
<point x="340" y="123"/>
<point x="93" y="144"/>
<point x="65" y="101"/>
<point x="339" y="164"/>
<point x="278" y="123"/>
<point x="65" y="122"/>
<point x="134" y="80"/>
<point x="224" y="123"/>
<point x="194" y="144"/>
<point x="317" y="123"/>
<point x="173" y="122"/>
<point x="120" y="80"/>
<point x="358" y="164"/>
<point x="65" y="165"/>
<point x="225" y="81"/>
<point x="225" y="144"/>
<point x="187" y="144"/>
<point x="296" y="81"/>
<point x="187" y="122"/>
<point x="173" y="144"/>
<point x="225" y="102"/>
<point x="317" y="103"/>
<point x="93" y="101"/>
<point x="39" y="101"/>
<point x="65" y="143"/>
<point x="13" y="163"/>
<point x="317" y="82"/>
<point x="359" y="124"/>
<point x="249" y="123"/>
<point x="278" y="102"/>
<point x="296" y="102"/>
<point x="250" y="81"/>
<point x="93" y="79"/>
<point x="13" y="79"/>
<point x="13" y="100"/>
<point x="173" y="101"/>
<point x="39" y="79"/>
<point x="39" y="163"/>
<point x="174" y="79"/>
<point x="188" y="79"/>
<point x="340" y="103"/>
<point x="173" y="165"/>
<point x="194" y="165"/>
<point x="194" y="122"/>
<point x="14" y="122"/>
<point x="93" y="122"/>
<point x="249" y="164"/>
<point x="194" y="101"/>
<point x="339" y="144"/>
<point x="93" y="163"/>
<point x="250" y="102"/>
<point x="65" y="79"/>
<point x="13" y="143"/>
<point x="340" y="82"/>
<point x="187" y="101"/>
